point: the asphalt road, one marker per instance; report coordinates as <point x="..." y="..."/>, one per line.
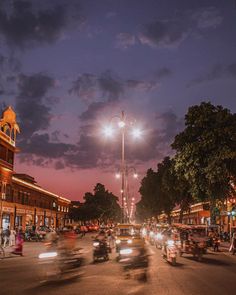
<point x="215" y="275"/>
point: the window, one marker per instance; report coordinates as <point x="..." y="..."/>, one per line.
<point x="9" y="193"/>
<point x="3" y="152"/>
<point x="10" y="157"/>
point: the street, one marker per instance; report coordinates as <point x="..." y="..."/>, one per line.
<point x="214" y="275"/>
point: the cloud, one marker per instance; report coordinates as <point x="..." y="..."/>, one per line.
<point x="163" y="73"/>
<point x="94" y="110"/>
<point x="85" y="87"/>
<point x="103" y="92"/>
<point x="40" y="145"/>
<point x="207" y="18"/>
<point x="90" y="152"/>
<point x="164" y="33"/>
<point x="170" y="126"/>
<point x="34" y="114"/>
<point x="216" y="72"/>
<point x="90" y="88"/>
<point x="170" y="33"/>
<point x="110" y="86"/>
<point x="125" y="40"/>
<point x="23" y="24"/>
<point x="9" y="68"/>
<point x="140" y="85"/>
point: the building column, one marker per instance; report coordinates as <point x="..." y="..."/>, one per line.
<point x="44" y="218"/>
<point x="14" y="221"/>
<point x="35" y="213"/>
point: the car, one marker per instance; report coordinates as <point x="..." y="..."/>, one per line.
<point x="124" y="236"/>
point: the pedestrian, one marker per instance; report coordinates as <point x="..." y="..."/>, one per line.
<point x="12" y="239"/>
<point x="19" y="244"/>
<point x="1" y="235"/>
<point x="6" y="236"/>
<point x="232" y="247"/>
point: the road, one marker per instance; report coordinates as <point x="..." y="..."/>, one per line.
<point x="214" y="275"/>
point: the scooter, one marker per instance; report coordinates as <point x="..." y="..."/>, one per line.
<point x="100" y="250"/>
<point x="170" y="252"/>
<point x="135" y="263"/>
<point x="58" y="264"/>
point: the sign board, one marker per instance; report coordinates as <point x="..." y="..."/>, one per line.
<point x="8" y="209"/>
<point x="29" y="212"/>
<point x="21" y="211"/>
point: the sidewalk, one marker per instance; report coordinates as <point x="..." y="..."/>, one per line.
<point x="224" y="246"/>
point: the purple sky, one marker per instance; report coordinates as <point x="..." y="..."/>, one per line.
<point x="67" y="67"/>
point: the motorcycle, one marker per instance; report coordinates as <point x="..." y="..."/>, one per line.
<point x="159" y="240"/>
<point x="100" y="250"/>
<point x="135" y="263"/>
<point x="60" y="264"/>
<point x="170" y="252"/>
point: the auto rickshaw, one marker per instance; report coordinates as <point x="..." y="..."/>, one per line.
<point x="123" y="236"/>
<point x="193" y="240"/>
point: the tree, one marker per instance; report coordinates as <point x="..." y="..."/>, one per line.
<point x="101" y="205"/>
<point x="206" y="153"/>
<point x="148" y="205"/>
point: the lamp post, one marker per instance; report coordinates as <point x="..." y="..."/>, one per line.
<point x="136" y="134"/>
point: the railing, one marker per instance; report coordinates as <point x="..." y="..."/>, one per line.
<point x="7" y="138"/>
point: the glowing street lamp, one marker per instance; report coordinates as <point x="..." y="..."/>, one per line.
<point x="121" y="124"/>
<point x="137" y="133"/>
<point x="135" y="175"/>
<point x="108" y="131"/>
<point x="118" y="175"/>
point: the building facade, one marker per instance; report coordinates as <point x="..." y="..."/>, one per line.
<point x="23" y="203"/>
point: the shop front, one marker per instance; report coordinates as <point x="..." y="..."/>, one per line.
<point x="7" y="217"/>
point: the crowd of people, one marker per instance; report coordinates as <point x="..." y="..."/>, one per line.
<point x="12" y="238"/>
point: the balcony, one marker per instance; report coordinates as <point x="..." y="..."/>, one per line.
<point x="7" y="138"/>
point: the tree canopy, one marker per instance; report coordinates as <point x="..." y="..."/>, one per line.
<point x="206" y="152"/>
<point x="161" y="191"/>
<point x="101" y="205"/>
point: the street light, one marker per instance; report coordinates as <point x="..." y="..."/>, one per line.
<point x="137" y="133"/>
<point x="108" y="132"/>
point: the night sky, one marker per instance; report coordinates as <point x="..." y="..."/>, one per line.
<point x="67" y="67"/>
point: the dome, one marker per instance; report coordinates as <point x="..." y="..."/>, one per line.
<point x="9" y="116"/>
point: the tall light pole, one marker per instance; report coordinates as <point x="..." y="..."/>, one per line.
<point x="108" y="131"/>
<point x="123" y="165"/>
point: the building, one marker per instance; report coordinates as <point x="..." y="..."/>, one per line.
<point x="197" y="214"/>
<point x="22" y="201"/>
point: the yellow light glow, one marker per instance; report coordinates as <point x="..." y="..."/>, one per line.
<point x="121" y="124"/>
<point x="137" y="133"/>
<point x="118" y="175"/>
<point x="108" y="131"/>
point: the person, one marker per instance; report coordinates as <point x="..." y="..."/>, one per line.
<point x="12" y="238"/>
<point x="110" y="239"/>
<point x="6" y="236"/>
<point x="216" y="241"/>
<point x="1" y="235"/>
<point x="232" y="247"/>
<point x="101" y="236"/>
<point x="19" y="244"/>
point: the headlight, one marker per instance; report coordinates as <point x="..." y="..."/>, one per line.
<point x="159" y="236"/>
<point x="117" y="242"/>
<point x="95" y="244"/>
<point x="126" y="251"/>
<point x="170" y="243"/>
<point x="129" y="241"/>
<point x="47" y="255"/>
<point x="144" y="232"/>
